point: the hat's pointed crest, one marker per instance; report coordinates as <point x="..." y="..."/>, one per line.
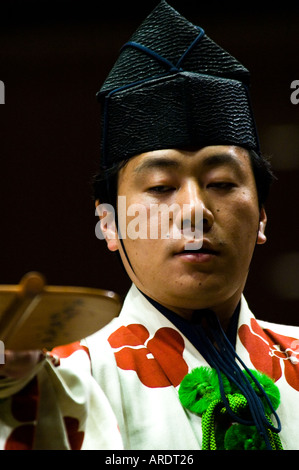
<point x="173" y="87"/>
<point x="167" y="41"/>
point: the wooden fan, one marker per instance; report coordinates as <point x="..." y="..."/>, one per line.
<point x="36" y="316"/>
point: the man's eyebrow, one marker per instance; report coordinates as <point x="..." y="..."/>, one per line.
<point x="157" y="163"/>
<point x="222" y="159"/>
<point x="219" y="159"/>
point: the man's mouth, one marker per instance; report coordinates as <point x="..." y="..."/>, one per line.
<point x="206" y="253"/>
<point x="200" y="250"/>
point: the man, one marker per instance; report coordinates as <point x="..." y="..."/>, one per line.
<point x="186" y="365"/>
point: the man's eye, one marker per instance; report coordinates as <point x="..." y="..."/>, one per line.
<point x="222" y="185"/>
<point x="161" y="189"/>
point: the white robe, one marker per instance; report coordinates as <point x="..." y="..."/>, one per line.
<point x="118" y="389"/>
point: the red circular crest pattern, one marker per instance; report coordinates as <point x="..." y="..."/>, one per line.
<point x="272" y="353"/>
<point x="158" y="361"/>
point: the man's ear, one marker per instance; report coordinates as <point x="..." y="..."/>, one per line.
<point x="261" y="237"/>
<point x="107" y="224"/>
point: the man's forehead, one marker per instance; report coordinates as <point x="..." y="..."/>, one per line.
<point x="177" y="159"/>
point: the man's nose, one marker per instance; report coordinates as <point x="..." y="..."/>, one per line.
<point x="196" y="206"/>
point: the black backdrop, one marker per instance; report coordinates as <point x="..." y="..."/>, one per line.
<point x="54" y="56"/>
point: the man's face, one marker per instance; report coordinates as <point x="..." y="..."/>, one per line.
<point x="217" y="180"/>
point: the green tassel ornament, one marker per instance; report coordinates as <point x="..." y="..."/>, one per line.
<point x="200" y="393"/>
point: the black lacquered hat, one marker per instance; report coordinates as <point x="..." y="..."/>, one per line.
<point x="173" y="87"/>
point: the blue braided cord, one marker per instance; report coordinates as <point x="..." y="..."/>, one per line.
<point x="219" y="365"/>
<point x="192" y="45"/>
<point x="228" y="366"/>
<point x="162" y="59"/>
<point x="254" y="402"/>
<point x="224" y="361"/>
<point x="152" y="54"/>
<point x="232" y="353"/>
<point x="217" y="362"/>
<point x="167" y="63"/>
<point x="248" y="389"/>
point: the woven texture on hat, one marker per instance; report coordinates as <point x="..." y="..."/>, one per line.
<point x="169" y="34"/>
<point x="177" y="118"/>
<point x="173" y="87"/>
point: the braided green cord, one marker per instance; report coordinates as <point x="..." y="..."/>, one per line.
<point x="274" y="438"/>
<point x="199" y="392"/>
<point x="237" y="403"/>
<point x="208" y="427"/>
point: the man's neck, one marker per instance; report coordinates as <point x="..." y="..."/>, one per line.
<point x="224" y="312"/>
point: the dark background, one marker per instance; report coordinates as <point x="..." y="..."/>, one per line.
<point x="54" y="57"/>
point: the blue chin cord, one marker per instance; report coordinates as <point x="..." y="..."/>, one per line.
<point x="216" y="348"/>
<point x="218" y="351"/>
